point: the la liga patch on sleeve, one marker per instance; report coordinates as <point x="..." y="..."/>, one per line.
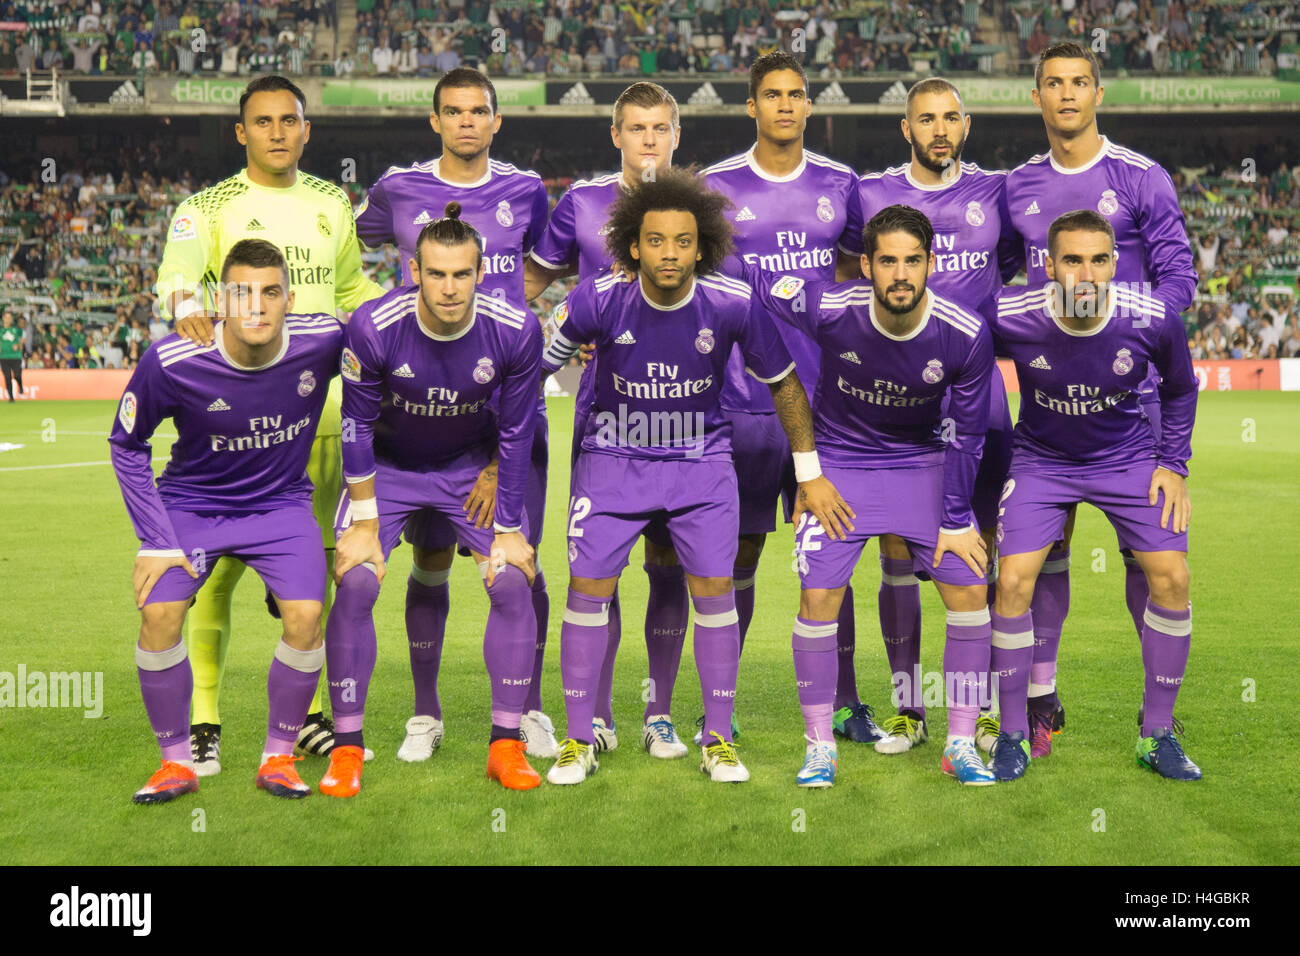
<point x="560" y="313"/>
<point x="126" y="412"/>
<point x="350" y="366"/>
<point x="787" y="287"/>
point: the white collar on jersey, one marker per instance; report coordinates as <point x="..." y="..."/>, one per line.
<point x="666" y="308"/>
<point x="435" y="167"/>
<point x="219" y="334"/>
<point x="787" y="178"/>
<point x="907" y="172"/>
<point x="473" y="317"/>
<point x="1101" y="153"/>
<point x="925" y="319"/>
<point x="1110" y="311"/>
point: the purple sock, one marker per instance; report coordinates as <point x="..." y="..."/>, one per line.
<point x="717" y="658"/>
<point x="900" y="626"/>
<point x="542" y="612"/>
<point x="846" y="644"/>
<point x="604" y="702"/>
<point x="814" y="644"/>
<point x="509" y="643"/>
<point x="742" y="582"/>
<point x="666" y="615"/>
<point x="1050" y="605"/>
<point x="966" y="668"/>
<point x="427" y="602"/>
<point x="290" y="686"/>
<point x="1010" y="658"/>
<point x="1136" y="592"/>
<point x="350" y="650"/>
<point x="1166" y="642"/>
<point x="583" y="635"/>
<point x="166" y="684"/>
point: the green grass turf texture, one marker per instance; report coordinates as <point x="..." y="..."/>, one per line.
<point x="66" y="549"/>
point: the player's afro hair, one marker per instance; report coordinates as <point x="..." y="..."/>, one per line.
<point x="671" y="189"/>
<point x="898" y="218"/>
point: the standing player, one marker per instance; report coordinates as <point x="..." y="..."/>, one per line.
<point x="508" y="208"/>
<point x="420" y="367"/>
<point x="891" y="354"/>
<point x="245" y="410"/>
<point x="976" y="250"/>
<point x="1137" y="197"/>
<point x="796" y="213"/>
<point x="11" y="354"/>
<point x="658" y="444"/>
<point x="1082" y="345"/>
<point x="310" y="221"/>
<point x="646" y="131"/>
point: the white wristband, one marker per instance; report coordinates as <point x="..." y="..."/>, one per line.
<point x="366" y="509"/>
<point x="187" y="308"/>
<point x="806" y="466"/>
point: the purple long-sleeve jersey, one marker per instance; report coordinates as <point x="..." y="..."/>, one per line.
<point x="1078" y="390"/>
<point x="1135" y="195"/>
<point x="660" y="371"/>
<point x="508" y="207"/>
<point x="244" y="435"/>
<point x="879" y="396"/>
<point x="976" y="248"/>
<point x="417" y="400"/>
<point x="792" y="225"/>
<point x="575" y="233"/>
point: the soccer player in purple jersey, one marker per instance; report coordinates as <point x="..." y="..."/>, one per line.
<point x="646" y="130"/>
<point x="1137" y="197"/>
<point x="799" y="213"/>
<point x="246" y="410"/>
<point x="658" y="442"/>
<point x="508" y="207"/>
<point x="976" y="250"/>
<point x="891" y="352"/>
<point x="1082" y="344"/>
<point x="420" y="367"/>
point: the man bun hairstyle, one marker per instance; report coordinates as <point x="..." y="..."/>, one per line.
<point x="450" y="230"/>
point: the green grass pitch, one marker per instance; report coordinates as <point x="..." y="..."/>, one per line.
<point x="65" y="557"/>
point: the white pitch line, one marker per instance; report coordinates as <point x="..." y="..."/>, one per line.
<point x="70" y="464"/>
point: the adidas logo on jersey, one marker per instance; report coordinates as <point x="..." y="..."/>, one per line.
<point x="627" y="338"/>
<point x="745" y="215"/>
<point x="422" y="219"/>
<point x="1040" y="362"/>
<point x="404" y="371"/>
<point x="219" y="406"/>
<point x="1033" y="209"/>
<point x="253" y="224"/>
<point x="851" y="357"/>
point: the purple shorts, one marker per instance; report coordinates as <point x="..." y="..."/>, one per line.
<point x="996" y="461"/>
<point x="907" y="502"/>
<point x="283" y="546"/>
<point x="615" y="498"/>
<point x="434" y="498"/>
<point x="1035" y="505"/>
<point x="761" y="454"/>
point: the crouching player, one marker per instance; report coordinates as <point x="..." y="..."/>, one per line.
<point x="1082" y="345"/>
<point x="658" y="446"/>
<point x="246" y="410"/>
<point x="419" y="368"/>
<point x="891" y="351"/>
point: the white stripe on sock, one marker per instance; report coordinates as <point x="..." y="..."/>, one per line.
<point x="430" y="579"/>
<point x="1056" y="567"/>
<point x="725" y="619"/>
<point x="1166" y="626"/>
<point x="587" y="618"/>
<point x="308" y="662"/>
<point x="816" y="630"/>
<point x="160" y="660"/>
<point x="742" y="584"/>
<point x="1041" y="690"/>
<point x="899" y="580"/>
<point x="969" y="618"/>
<point x="1011" y="642"/>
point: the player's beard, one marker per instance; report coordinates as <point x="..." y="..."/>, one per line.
<point x="442" y="316"/>
<point x="463" y="156"/>
<point x="939" y="166"/>
<point x="888" y="306"/>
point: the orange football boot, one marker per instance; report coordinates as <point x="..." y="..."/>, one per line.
<point x="168" y="782"/>
<point x="507" y="765"/>
<point x="343" y="778"/>
<point x="278" y="777"/>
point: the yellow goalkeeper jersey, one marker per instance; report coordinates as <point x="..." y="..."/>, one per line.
<point x="310" y="221"/>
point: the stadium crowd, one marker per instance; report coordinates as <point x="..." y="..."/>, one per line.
<point x="421" y="38"/>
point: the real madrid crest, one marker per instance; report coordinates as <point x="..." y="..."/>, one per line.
<point x="1123" y="363"/>
<point x="306" y="383"/>
<point x="704" y="341"/>
<point x="1108" y="204"/>
<point x="504" y="215"/>
<point x="484" y="371"/>
<point x="974" y="214"/>
<point x="825" y="211"/>
<point x="323" y="225"/>
<point x="933" y="371"/>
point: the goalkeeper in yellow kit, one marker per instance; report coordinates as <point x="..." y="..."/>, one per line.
<point x="310" y="220"/>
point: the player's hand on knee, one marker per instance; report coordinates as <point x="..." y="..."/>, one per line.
<point x="1178" y="504"/>
<point x="150" y="568"/>
<point x="511" y="548"/>
<point x="969" y="546"/>
<point x="197" y="327"/>
<point x="481" y="505"/>
<point x="358" y="545"/>
<point x="821" y="498"/>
